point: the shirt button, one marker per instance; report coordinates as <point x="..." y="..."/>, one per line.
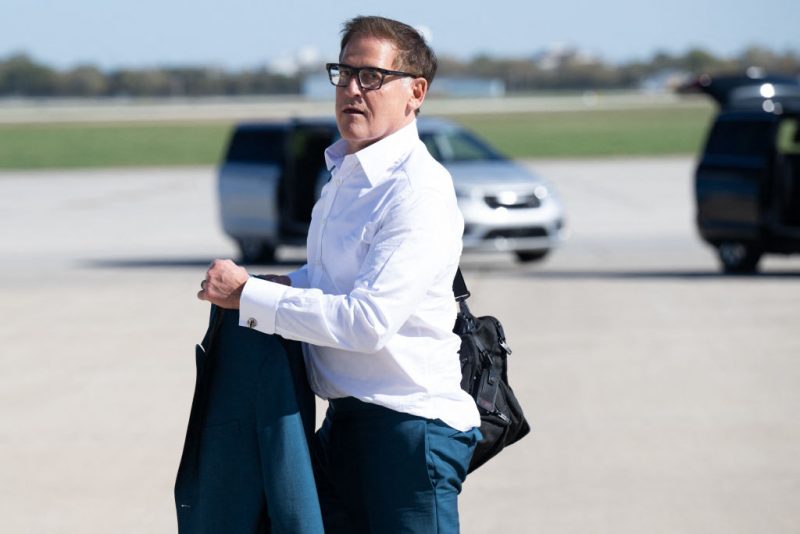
<point x="252" y="323"/>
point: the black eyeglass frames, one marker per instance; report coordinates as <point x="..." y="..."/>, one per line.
<point x="369" y="78"/>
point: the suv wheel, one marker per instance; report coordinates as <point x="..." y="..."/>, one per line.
<point x="738" y="258"/>
<point x="527" y="256"/>
<point x="254" y="250"/>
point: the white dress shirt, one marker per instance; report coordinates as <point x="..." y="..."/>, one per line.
<point x="374" y="303"/>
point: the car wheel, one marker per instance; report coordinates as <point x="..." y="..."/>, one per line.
<point x="256" y="251"/>
<point x="527" y="256"/>
<point x="738" y="258"/>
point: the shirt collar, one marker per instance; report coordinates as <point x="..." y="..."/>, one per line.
<point x="378" y="159"/>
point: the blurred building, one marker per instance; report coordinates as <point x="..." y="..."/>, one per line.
<point x="666" y="80"/>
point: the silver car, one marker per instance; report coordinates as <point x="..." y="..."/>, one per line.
<point x="273" y="172"/>
<point x="506" y="207"/>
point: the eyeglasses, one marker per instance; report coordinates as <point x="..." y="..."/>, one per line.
<point x="369" y="78"/>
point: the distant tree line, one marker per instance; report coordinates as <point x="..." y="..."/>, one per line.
<point x="569" y="69"/>
<point x="20" y="75"/>
<point x="23" y="76"/>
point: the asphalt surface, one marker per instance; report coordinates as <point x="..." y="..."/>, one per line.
<point x="664" y="397"/>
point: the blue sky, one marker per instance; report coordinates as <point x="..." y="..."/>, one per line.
<point x="242" y="33"/>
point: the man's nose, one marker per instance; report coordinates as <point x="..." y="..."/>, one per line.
<point x="352" y="87"/>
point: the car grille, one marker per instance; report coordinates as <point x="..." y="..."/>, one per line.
<point x="512" y="200"/>
<point x="511" y="233"/>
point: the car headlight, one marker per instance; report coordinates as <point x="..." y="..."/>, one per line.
<point x="541" y="192"/>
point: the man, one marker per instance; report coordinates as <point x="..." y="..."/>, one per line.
<point x="374" y="303"/>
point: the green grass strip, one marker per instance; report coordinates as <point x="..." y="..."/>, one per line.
<point x="598" y="133"/>
<point x="595" y="133"/>
<point x="110" y="145"/>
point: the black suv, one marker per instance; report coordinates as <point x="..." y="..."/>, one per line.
<point x="747" y="182"/>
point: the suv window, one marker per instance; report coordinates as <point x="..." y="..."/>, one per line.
<point x="789" y="137"/>
<point x="256" y="146"/>
<point x="457" y="146"/>
<point x="739" y="138"/>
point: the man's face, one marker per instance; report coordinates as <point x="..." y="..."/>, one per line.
<point x="366" y="116"/>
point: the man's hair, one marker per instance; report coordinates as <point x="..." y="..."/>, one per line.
<point x="413" y="53"/>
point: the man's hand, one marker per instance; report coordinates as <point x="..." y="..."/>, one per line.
<point x="223" y="284"/>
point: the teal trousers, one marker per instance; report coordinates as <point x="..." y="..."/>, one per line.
<point x="383" y="472"/>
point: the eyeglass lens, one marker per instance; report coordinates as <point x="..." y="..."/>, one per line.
<point x="367" y="78"/>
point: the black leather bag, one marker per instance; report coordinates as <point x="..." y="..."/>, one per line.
<point x="484" y="375"/>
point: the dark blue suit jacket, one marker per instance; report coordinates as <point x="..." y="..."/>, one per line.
<point x="245" y="466"/>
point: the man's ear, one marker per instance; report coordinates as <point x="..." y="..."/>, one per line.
<point x="418" y="90"/>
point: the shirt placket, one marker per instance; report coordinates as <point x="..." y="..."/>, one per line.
<point x="317" y="260"/>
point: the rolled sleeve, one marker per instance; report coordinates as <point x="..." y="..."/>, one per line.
<point x="259" y="304"/>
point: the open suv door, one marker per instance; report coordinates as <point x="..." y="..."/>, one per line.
<point x="747" y="181"/>
<point x="269" y="181"/>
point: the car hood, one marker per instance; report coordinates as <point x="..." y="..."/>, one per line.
<point x="491" y="174"/>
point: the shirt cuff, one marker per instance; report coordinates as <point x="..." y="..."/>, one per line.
<point x="258" y="305"/>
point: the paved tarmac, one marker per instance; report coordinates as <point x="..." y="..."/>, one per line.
<point x="664" y="396"/>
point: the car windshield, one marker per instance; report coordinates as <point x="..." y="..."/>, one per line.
<point x="455" y="146"/>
